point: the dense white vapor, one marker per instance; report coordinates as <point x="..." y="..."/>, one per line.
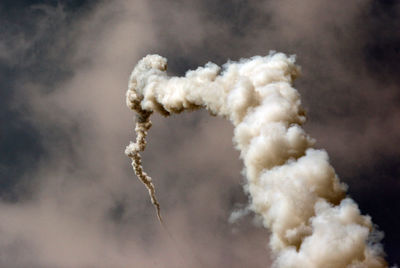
<point x="291" y="184"/>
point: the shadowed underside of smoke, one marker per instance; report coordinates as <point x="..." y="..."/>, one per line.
<point x="290" y="184"/>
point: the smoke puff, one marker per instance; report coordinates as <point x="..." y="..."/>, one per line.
<point x="291" y="184"/>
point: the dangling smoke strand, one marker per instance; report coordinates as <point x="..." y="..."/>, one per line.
<point x="291" y="185"/>
<point x="143" y="124"/>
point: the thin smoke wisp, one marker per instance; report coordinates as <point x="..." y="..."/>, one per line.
<point x="291" y="185"/>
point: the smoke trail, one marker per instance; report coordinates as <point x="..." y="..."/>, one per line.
<point x="143" y="124"/>
<point x="291" y="184"/>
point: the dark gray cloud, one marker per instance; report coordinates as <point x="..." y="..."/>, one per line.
<point x="64" y="69"/>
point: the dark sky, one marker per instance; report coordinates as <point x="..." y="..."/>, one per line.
<point x="68" y="195"/>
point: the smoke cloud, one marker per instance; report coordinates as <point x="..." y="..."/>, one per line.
<point x="68" y="196"/>
<point x="292" y="185"/>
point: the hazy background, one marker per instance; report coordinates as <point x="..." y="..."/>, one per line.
<point x="68" y="195"/>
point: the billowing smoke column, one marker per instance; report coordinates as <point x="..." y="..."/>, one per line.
<point x="291" y="184"/>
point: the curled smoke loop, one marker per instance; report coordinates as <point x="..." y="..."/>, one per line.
<point x="291" y="185"/>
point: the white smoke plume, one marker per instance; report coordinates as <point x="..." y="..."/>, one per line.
<point x="291" y="185"/>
